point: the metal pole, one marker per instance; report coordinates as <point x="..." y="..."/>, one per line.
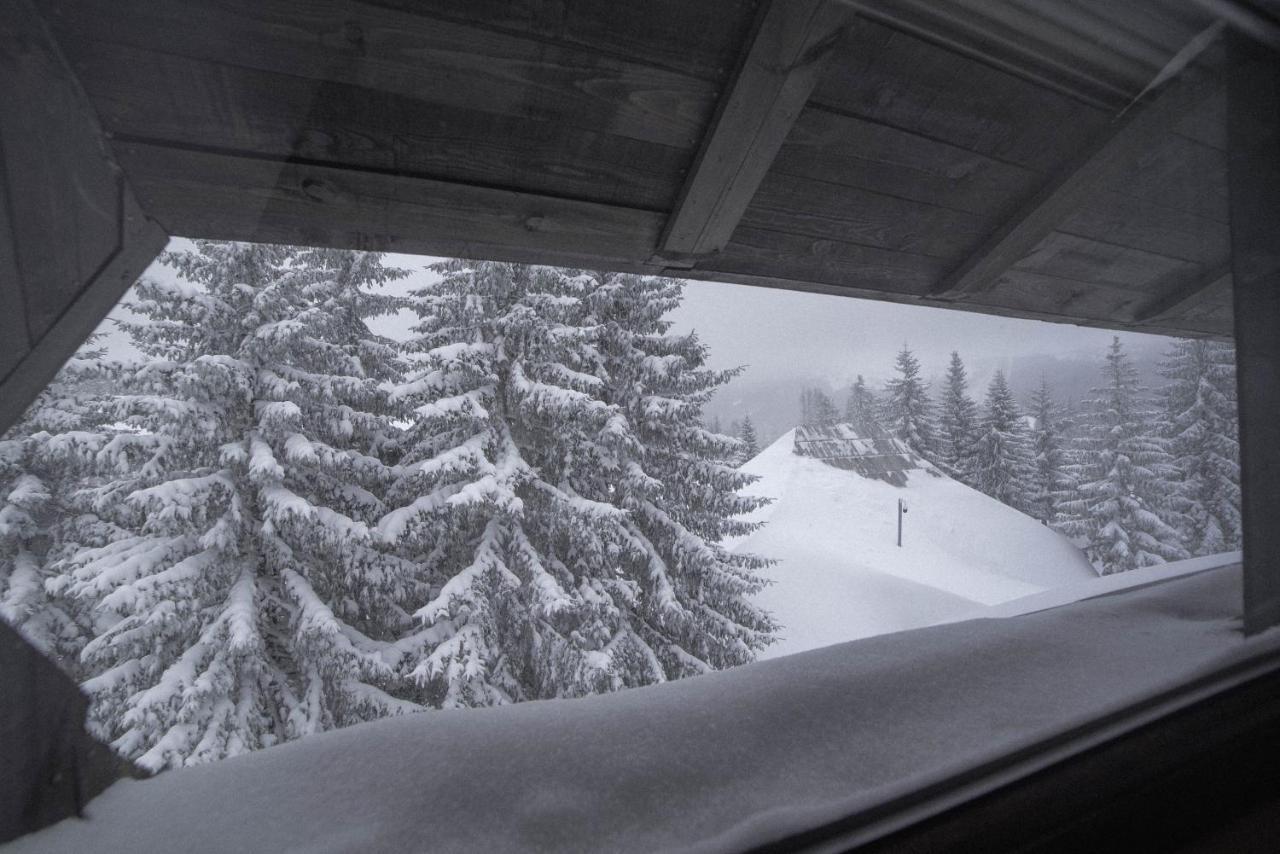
<point x="899" y="523"/>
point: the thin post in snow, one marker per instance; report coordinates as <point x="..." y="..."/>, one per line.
<point x="902" y="508"/>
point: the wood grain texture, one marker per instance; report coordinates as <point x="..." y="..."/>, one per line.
<point x="1180" y="174"/>
<point x="787" y="54"/>
<point x="1073" y="257"/>
<point x="1111" y="154"/>
<point x="1060" y="45"/>
<point x="14" y="340"/>
<point x="1254" y="130"/>
<point x="75" y="237"/>
<point x="64" y="202"/>
<point x="702" y="39"/>
<point x="761" y="252"/>
<point x="1113" y="217"/>
<point x="563" y="132"/>
<point x="156" y="96"/>
<point x="1206" y="290"/>
<point x="1057" y="295"/>
<point x="224" y="196"/>
<point x="841" y="149"/>
<point x="837" y="212"/>
<point x="891" y="78"/>
<point x="435" y="61"/>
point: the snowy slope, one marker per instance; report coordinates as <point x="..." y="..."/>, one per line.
<point x="840" y="575"/>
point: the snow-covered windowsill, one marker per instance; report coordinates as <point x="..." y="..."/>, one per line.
<point x="717" y="763"/>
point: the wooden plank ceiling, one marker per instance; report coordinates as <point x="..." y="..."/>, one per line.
<point x="1040" y="159"/>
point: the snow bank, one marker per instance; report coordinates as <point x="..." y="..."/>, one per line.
<point x="716" y="763"/>
<point x="1106" y="584"/>
<point x="841" y="576"/>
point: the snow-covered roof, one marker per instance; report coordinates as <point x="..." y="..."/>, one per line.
<point x="864" y="447"/>
<point x="721" y="762"/>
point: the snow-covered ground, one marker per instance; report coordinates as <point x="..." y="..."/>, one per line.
<point x="722" y="762"/>
<point x="841" y="576"/>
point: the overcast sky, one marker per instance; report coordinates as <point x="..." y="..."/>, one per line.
<point x="781" y="333"/>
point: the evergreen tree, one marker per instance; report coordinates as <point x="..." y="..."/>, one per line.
<point x="957" y="424"/>
<point x="234" y="590"/>
<point x="1201" y="426"/>
<point x="751" y="445"/>
<point x="1002" y="462"/>
<point x="862" y="405"/>
<point x="907" y="405"/>
<point x="1049" y="482"/>
<point x="559" y="492"/>
<point x="1123" y="475"/>
<point x="816" y="408"/>
<point x="39" y="471"/>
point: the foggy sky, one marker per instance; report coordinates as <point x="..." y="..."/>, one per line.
<point x="786" y="333"/>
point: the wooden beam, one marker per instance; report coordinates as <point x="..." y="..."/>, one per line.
<point x="231" y="196"/>
<point x="1215" y="285"/>
<point x="1253" y="124"/>
<point x="789" y="48"/>
<point x="74" y="237"/>
<point x="1140" y="128"/>
<point x="1096" y="71"/>
<point x="415" y="54"/>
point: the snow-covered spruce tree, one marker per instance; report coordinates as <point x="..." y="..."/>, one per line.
<point x="1049" y="483"/>
<point x="861" y="405"/>
<point x="1002" y="462"/>
<point x="957" y="424"/>
<point x="39" y="470"/>
<point x="1201" y="425"/>
<point x="907" y="406"/>
<point x="237" y="598"/>
<point x="816" y="408"/>
<point x="750" y="442"/>
<point x="1123" y="476"/>
<point x="682" y="501"/>
<point x="559" y="492"/>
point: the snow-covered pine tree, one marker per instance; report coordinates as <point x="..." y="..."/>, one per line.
<point x="750" y="442"/>
<point x="237" y="597"/>
<point x="862" y="405"/>
<point x="1123" y="475"/>
<point x="560" y="494"/>
<point x="39" y="471"/>
<point x="816" y="408"/>
<point x="1201" y="425"/>
<point x="907" y="406"/>
<point x="957" y="424"/>
<point x="682" y="501"/>
<point x="1049" y="484"/>
<point x="1002" y="462"/>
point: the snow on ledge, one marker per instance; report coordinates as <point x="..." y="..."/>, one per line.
<point x="1106" y="584"/>
<point x="715" y="763"/>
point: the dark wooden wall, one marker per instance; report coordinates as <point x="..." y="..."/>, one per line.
<point x="1255" y="223"/>
<point x="72" y="237"/>
<point x="72" y="240"/>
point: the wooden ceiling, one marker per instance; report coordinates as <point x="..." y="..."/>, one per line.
<point x="1036" y="158"/>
